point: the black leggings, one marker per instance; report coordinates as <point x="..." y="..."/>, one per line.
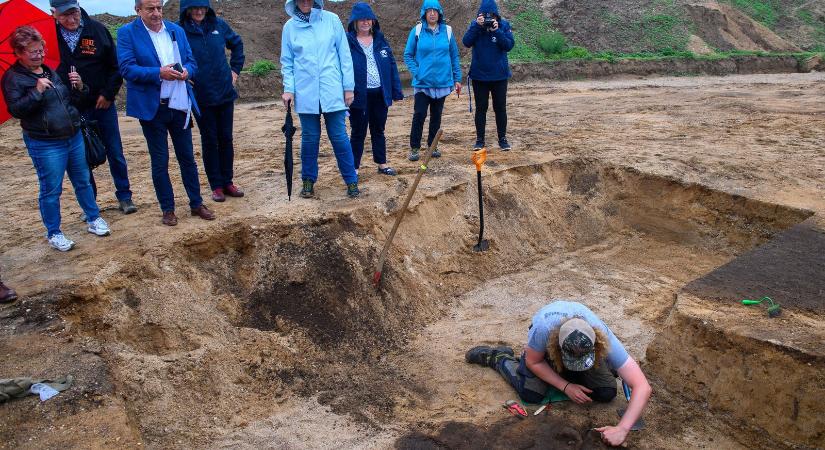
<point x="498" y="89"/>
<point x="436" y="106"/>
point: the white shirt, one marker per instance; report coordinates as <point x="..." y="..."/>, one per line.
<point x="163" y="44"/>
<point x="167" y="52"/>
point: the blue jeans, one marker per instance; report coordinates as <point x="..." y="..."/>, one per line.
<point x="110" y="134"/>
<point x="374" y="117"/>
<point x="51" y="160"/>
<point x="171" y="122"/>
<point x="311" y="137"/>
<point x="215" y="125"/>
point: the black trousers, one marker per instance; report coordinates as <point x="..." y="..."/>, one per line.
<point x="483" y="90"/>
<point x="436" y="107"/>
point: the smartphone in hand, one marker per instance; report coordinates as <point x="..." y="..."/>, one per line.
<point x="178" y="67"/>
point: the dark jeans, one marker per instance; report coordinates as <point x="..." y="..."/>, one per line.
<point x="215" y="124"/>
<point x="498" y="89"/>
<point x="171" y="122"/>
<point x="533" y="389"/>
<point x="375" y="116"/>
<point x="110" y="134"/>
<point x="436" y="106"/>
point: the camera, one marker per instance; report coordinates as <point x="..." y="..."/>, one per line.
<point x="488" y="21"/>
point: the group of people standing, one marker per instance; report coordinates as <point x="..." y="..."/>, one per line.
<point x="329" y="72"/>
<point x="178" y="73"/>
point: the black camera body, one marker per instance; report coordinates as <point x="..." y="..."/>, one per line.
<point x="488" y="21"/>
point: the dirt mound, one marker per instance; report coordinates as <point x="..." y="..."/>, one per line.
<point x="539" y="432"/>
<point x="726" y="28"/>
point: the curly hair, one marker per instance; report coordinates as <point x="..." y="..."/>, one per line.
<point x="601" y="346"/>
<point x="23" y="36"/>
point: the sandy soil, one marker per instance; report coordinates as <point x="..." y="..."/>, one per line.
<point x="170" y="330"/>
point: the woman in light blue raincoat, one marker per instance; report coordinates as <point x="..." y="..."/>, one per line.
<point x="318" y="79"/>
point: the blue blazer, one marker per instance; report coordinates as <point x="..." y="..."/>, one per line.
<point x="140" y="67"/>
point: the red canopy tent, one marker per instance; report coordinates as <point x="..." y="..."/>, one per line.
<point x="15" y="13"/>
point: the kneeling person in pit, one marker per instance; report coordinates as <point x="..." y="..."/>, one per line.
<point x="570" y="349"/>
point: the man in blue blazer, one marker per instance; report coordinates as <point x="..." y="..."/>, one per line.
<point x="156" y="61"/>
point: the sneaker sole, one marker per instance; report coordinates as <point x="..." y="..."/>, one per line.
<point x="101" y="234"/>
<point x="62" y="249"/>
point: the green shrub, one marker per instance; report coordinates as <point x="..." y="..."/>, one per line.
<point x="552" y="43"/>
<point x="576" y="53"/>
<point x="262" y="67"/>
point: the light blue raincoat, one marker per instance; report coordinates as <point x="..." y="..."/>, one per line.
<point x="316" y="63"/>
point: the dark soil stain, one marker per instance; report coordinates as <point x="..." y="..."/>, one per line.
<point x="790" y="269"/>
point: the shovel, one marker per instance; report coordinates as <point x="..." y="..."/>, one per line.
<point x="640" y="424"/>
<point x="479" y="156"/>
<point x="376" y="279"/>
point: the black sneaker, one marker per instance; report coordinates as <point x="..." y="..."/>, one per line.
<point x="308" y="191"/>
<point x="352" y="190"/>
<point x="436" y="153"/>
<point x="479" y="145"/>
<point x="485" y="355"/>
<point x="127" y="207"/>
<point x="504" y="145"/>
<point x="414" y="154"/>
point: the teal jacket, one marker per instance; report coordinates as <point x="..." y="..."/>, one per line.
<point x="316" y="63"/>
<point x="431" y="58"/>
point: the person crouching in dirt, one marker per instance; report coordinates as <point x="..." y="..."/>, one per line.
<point x="490" y="38"/>
<point x="431" y="55"/>
<point x="570" y="349"/>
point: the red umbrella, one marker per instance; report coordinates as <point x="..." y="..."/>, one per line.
<point x="13" y="14"/>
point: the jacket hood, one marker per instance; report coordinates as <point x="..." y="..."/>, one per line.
<point x="186" y="4"/>
<point x="431" y="4"/>
<point x="362" y="11"/>
<point x="290" y="6"/>
<point x="488" y="6"/>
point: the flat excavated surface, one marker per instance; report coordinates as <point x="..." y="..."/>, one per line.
<point x="790" y="269"/>
<point x="207" y="334"/>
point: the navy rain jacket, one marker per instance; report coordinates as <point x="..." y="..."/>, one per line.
<point x="490" y="48"/>
<point x="213" y="81"/>
<point x="387" y="67"/>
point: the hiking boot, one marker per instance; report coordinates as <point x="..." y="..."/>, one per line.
<point x="504" y="145"/>
<point x="61" y="242"/>
<point x="436" y="153"/>
<point x="352" y="190"/>
<point x="485" y="355"/>
<point x="7" y="294"/>
<point x="414" y="154"/>
<point x="127" y="207"/>
<point x="308" y="191"/>
<point x="479" y="145"/>
<point x="99" y="227"/>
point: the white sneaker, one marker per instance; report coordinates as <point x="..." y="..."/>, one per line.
<point x="99" y="227"/>
<point x="61" y="242"/>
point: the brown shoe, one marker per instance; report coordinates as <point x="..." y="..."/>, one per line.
<point x="203" y="212"/>
<point x="7" y="294"/>
<point x="169" y="218"/>
<point x="232" y="191"/>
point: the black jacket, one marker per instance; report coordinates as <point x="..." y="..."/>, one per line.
<point x="95" y="58"/>
<point x="47" y="116"/>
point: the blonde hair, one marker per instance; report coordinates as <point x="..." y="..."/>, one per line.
<point x="601" y="346"/>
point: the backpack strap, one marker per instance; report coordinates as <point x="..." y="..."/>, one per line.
<point x="420" y="26"/>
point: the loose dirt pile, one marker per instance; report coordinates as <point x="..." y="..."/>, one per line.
<point x="261" y="329"/>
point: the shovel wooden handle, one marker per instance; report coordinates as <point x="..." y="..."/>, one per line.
<point x="421" y="169"/>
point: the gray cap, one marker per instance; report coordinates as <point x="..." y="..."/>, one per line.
<point x="64" y="5"/>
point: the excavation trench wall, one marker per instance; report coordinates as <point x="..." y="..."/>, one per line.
<point x="219" y="332"/>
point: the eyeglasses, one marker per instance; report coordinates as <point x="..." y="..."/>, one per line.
<point x="71" y="13"/>
<point x="40" y="52"/>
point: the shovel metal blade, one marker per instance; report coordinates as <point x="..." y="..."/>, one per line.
<point x="639" y="425"/>
<point x="482" y="246"/>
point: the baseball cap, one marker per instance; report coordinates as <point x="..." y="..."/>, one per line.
<point x="577" y="340"/>
<point x="64" y="5"/>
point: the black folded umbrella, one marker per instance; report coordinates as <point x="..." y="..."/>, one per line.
<point x="289" y="131"/>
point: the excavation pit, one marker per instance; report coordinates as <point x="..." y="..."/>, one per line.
<point x="236" y="326"/>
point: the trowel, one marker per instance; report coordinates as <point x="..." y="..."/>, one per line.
<point x="640" y="424"/>
<point x="479" y="156"/>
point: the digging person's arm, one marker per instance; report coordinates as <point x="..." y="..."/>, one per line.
<point x="632" y="374"/>
<point x="537" y="364"/>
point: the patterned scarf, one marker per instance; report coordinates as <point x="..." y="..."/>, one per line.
<point x="71" y="37"/>
<point x="305" y="17"/>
